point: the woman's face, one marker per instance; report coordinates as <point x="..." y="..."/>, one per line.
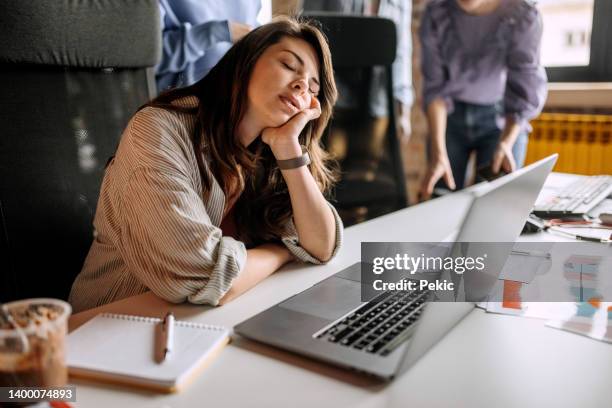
<point x="284" y="82"/>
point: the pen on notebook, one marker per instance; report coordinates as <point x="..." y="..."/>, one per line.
<point x="167" y="340"/>
<point x="538" y="254"/>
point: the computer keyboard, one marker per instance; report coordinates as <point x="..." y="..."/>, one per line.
<point x="380" y="325"/>
<point x="577" y="199"/>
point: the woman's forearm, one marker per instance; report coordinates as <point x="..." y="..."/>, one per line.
<point x="510" y="132"/>
<point x="436" y="118"/>
<point x="312" y="216"/>
<point x="261" y="262"/>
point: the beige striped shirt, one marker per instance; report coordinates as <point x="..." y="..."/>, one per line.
<point x="154" y="229"/>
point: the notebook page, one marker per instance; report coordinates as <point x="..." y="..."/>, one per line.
<point x="125" y="346"/>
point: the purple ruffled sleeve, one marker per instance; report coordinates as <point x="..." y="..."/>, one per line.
<point x="525" y="91"/>
<point x="435" y="75"/>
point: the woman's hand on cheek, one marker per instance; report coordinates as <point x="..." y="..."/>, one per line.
<point x="284" y="140"/>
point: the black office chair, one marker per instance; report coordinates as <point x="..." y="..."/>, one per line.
<point x="359" y="45"/>
<point x="71" y="75"/>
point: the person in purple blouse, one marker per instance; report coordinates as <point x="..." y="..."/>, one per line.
<point x="482" y="83"/>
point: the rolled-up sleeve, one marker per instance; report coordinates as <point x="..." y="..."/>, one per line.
<point x="170" y="243"/>
<point x="525" y="91"/>
<point x="291" y="241"/>
<point x="183" y="43"/>
<point x="435" y="75"/>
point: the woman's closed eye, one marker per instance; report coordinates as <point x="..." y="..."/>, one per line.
<point x="289" y="67"/>
<point x="314" y="92"/>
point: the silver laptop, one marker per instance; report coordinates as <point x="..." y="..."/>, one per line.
<point x="386" y="335"/>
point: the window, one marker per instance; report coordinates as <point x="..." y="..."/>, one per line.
<point x="567" y="25"/>
<point x="575" y="41"/>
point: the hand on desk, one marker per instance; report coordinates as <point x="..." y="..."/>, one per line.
<point x="503" y="159"/>
<point x="437" y="169"/>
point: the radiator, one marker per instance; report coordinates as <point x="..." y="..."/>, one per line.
<point x="584" y="142"/>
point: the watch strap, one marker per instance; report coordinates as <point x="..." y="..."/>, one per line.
<point x="288" y="164"/>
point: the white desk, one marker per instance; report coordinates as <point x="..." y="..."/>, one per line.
<point x="487" y="360"/>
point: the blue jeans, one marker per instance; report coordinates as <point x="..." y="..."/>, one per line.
<point x="473" y="127"/>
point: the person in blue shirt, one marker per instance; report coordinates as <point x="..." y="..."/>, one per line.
<point x="197" y="33"/>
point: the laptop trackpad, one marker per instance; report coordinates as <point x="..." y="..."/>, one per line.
<point x="329" y="299"/>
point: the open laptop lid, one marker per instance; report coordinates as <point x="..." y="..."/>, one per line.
<point x="497" y="214"/>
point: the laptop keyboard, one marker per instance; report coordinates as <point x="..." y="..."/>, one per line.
<point x="380" y="325"/>
<point x="576" y="199"/>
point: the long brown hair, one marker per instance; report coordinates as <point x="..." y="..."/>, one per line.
<point x="264" y="207"/>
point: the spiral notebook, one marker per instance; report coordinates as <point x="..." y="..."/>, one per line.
<point x="121" y="349"/>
